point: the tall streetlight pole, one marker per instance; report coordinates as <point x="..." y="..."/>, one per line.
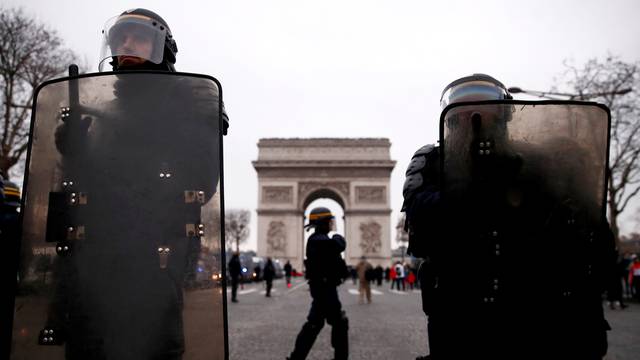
<point x="566" y="96"/>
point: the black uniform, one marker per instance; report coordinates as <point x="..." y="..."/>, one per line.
<point x="501" y="281"/>
<point x="234" y="272"/>
<point x="287" y="272"/>
<point x="268" y="274"/>
<point x="120" y="292"/>
<point x="10" y="236"/>
<point x="325" y="270"/>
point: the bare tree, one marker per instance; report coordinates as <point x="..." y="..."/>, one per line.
<point x="608" y="81"/>
<point x="402" y="237"/>
<point x="236" y="226"/>
<point x="30" y="53"/>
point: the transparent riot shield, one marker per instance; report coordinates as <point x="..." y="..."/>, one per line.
<point x="122" y="253"/>
<point x="525" y="245"/>
<point x="513" y="152"/>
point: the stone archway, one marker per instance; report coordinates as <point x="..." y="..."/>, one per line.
<point x="353" y="172"/>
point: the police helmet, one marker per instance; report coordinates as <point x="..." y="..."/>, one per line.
<point x="138" y="33"/>
<point x="319" y="215"/>
<point x="477" y="87"/>
<point x="11" y="194"/>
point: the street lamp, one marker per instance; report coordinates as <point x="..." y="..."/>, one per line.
<point x="559" y="96"/>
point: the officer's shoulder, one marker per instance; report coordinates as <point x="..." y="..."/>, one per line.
<point x="419" y="159"/>
<point x="426" y="150"/>
<point x="337" y="237"/>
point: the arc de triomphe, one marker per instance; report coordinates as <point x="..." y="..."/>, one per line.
<point x="354" y="172"/>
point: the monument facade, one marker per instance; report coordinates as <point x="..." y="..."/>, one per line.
<point x="353" y="172"/>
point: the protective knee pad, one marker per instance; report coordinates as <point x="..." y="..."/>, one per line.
<point x="313" y="327"/>
<point x="342" y="322"/>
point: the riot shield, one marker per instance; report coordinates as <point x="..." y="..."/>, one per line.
<point x="122" y="250"/>
<point x="523" y="188"/>
<point x="520" y="153"/>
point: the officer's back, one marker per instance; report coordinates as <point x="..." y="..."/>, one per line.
<point x="323" y="256"/>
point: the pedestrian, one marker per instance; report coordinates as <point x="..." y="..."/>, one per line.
<point x="623" y="268"/>
<point x="325" y="270"/>
<point x="400" y="276"/>
<point x="287" y="273"/>
<point x="392" y="276"/>
<point x="235" y="271"/>
<point x="614" y="283"/>
<point x="267" y="274"/>
<point x="379" y="274"/>
<point x="411" y="279"/>
<point x="634" y="276"/>
<point x="365" y="274"/>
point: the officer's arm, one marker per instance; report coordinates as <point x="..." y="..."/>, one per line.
<point x="225" y="120"/>
<point x="421" y="187"/>
<point x="340" y="242"/>
<point x="206" y="105"/>
<point x="422" y="202"/>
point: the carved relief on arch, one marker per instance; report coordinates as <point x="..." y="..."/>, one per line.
<point x="277" y="194"/>
<point x="371" y="194"/>
<point x="370" y="234"/>
<point x="277" y="238"/>
<point x="306" y="188"/>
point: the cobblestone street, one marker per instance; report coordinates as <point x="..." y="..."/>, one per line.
<point x="392" y="327"/>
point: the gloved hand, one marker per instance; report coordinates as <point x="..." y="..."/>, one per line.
<point x="71" y="137"/>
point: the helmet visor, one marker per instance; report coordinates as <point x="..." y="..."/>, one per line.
<point x="132" y="36"/>
<point x="472" y="91"/>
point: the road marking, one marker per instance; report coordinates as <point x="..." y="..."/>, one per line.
<point x="397" y="292"/>
<point x="356" y="292"/>
<point x="243" y="292"/>
<point x="297" y="286"/>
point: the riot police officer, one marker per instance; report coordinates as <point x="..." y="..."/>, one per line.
<point x="10" y="210"/>
<point x="10" y="237"/>
<point x="119" y="292"/>
<point x="138" y="39"/>
<point x="498" y="278"/>
<point x="325" y="269"/>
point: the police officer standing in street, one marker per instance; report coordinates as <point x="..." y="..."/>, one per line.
<point x="235" y="270"/>
<point x="325" y="269"/>
<point x="495" y="199"/>
<point x="142" y="163"/>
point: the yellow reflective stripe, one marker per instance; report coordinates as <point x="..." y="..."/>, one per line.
<point x="11" y="192"/>
<point x="316" y="216"/>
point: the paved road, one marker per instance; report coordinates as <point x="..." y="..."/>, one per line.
<point x="392" y="327"/>
<point x="266" y="328"/>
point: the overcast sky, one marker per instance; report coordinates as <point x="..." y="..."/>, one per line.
<point x="357" y="68"/>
